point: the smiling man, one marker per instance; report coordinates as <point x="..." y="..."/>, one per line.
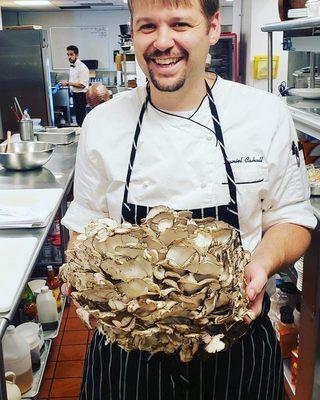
<point x="216" y="148"/>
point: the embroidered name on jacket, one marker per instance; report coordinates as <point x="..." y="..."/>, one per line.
<point x="248" y="159"/>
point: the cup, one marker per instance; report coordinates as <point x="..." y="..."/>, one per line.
<point x="26" y="130"/>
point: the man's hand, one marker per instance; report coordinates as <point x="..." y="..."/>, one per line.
<point x="66" y="290"/>
<point x="64" y="83"/>
<point x="256" y="278"/>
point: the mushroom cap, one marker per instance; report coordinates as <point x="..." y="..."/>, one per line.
<point x="171" y="284"/>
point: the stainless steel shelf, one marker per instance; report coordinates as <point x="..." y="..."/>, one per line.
<point x="37" y="376"/>
<point x="287" y="377"/>
<point x="299" y="23"/>
<point x="306" y="115"/>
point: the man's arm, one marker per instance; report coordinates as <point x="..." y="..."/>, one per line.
<point x="74" y="84"/>
<point x="280" y="247"/>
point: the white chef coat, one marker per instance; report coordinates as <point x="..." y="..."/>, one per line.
<point x="79" y="73"/>
<point x="179" y="164"/>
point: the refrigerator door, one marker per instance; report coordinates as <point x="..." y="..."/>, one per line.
<point x="25" y="73"/>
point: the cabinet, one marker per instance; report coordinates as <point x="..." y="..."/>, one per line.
<point x="302" y="35"/>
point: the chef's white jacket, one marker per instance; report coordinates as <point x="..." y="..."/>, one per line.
<point x="179" y="163"/>
<point x="79" y="73"/>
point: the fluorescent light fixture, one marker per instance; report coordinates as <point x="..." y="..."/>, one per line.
<point x="125" y="1"/>
<point x="33" y="2"/>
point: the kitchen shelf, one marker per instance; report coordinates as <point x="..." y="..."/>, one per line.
<point x="54" y="333"/>
<point x="290" y="388"/>
<point x="306" y="115"/>
<point x="299" y="23"/>
<point x="37" y="376"/>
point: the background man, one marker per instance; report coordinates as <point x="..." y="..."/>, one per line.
<point x="78" y="83"/>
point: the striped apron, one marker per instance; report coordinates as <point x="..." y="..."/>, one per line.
<point x="250" y="370"/>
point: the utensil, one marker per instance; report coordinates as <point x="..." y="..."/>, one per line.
<point x="26" y="129"/>
<point x="7" y="149"/>
<point x="26" y="155"/>
<point x="14" y="112"/>
<point x="18" y="106"/>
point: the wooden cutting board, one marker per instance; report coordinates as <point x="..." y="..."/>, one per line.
<point x="285" y="5"/>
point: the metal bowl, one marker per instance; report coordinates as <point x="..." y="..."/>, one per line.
<point x="24" y="156"/>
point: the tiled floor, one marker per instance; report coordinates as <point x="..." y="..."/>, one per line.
<point x="62" y="377"/>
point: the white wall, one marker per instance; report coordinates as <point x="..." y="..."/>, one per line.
<point x="257" y="13"/>
<point x="111" y="19"/>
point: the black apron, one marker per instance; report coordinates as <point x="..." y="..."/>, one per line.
<point x="250" y="370"/>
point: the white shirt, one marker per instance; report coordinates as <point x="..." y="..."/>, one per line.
<point x="79" y="73"/>
<point x="179" y="164"/>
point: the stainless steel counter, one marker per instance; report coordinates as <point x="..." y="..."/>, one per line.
<point x="57" y="173"/>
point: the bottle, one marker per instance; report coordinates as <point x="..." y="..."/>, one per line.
<point x="286" y="331"/>
<point x="17" y="358"/>
<point x="294" y="365"/>
<point x="29" y="308"/>
<point x="47" y="309"/>
<point x="278" y="300"/>
<point x="53" y="284"/>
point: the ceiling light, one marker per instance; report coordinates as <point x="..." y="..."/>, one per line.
<point x="33" y="2"/>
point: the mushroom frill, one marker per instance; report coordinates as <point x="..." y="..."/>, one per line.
<point x="171" y="284"/>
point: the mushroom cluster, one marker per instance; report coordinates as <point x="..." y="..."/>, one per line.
<point x="171" y="284"/>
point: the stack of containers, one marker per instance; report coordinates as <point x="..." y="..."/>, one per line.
<point x="299" y="268"/>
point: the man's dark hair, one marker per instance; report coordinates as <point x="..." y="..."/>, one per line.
<point x="208" y="7"/>
<point x="73" y="48"/>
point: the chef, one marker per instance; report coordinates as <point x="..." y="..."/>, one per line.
<point x="217" y="148"/>
<point x="78" y="83"/>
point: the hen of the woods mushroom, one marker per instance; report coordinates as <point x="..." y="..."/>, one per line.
<point x="171" y="284"/>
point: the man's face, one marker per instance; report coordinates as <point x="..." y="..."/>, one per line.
<point x="171" y="44"/>
<point x="72" y="56"/>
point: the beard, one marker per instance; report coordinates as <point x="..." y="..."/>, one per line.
<point x="164" y="87"/>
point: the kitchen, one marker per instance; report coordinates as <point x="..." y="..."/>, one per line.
<point x="36" y="107"/>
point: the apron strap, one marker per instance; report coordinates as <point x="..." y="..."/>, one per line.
<point x="135" y="146"/>
<point x="232" y="207"/>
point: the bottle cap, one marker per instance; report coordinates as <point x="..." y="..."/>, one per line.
<point x="49" y="267"/>
<point x="11" y="329"/>
<point x="44" y="289"/>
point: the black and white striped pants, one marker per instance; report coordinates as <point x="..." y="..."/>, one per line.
<point x="250" y="370"/>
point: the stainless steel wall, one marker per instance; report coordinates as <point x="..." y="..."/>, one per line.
<point x="25" y="73"/>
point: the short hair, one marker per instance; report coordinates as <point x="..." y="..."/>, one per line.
<point x="73" y="48"/>
<point x="209" y="7"/>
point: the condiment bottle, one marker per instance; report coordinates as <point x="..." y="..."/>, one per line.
<point x="29" y="307"/>
<point x="53" y="284"/>
<point x="286" y="331"/>
<point x="47" y="309"/>
<point x="17" y="358"/>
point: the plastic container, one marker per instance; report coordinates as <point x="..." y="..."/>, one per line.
<point x="17" y="358"/>
<point x="13" y="391"/>
<point x="286" y="332"/>
<point x="47" y="309"/>
<point x="313" y="8"/>
<point x="278" y="300"/>
<point x="30" y="331"/>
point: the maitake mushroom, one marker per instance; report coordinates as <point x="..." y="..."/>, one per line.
<point x="171" y="284"/>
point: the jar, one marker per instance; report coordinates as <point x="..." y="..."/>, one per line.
<point x="30" y="331"/>
<point x="313" y="8"/>
<point x="13" y="391"/>
<point x="17" y="358"/>
<point x="47" y="309"/>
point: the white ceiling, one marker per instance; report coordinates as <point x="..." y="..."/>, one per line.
<point x="77" y="4"/>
